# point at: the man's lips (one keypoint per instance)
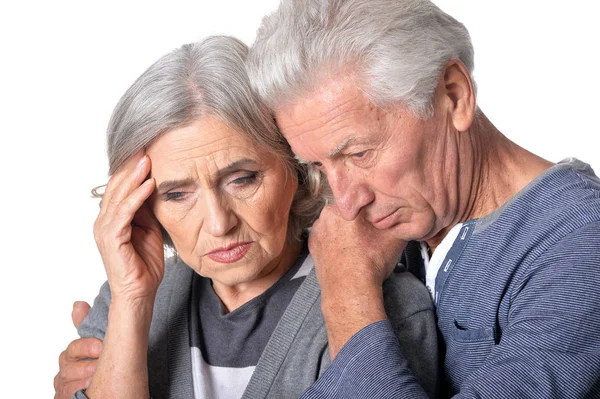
(231, 253)
(386, 221)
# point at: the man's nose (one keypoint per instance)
(219, 219)
(349, 193)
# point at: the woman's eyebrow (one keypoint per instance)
(235, 165)
(171, 184)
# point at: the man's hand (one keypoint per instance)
(352, 259)
(356, 248)
(78, 362)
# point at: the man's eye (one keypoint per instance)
(173, 196)
(359, 154)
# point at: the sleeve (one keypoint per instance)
(405, 346)
(370, 365)
(96, 322)
(80, 395)
(550, 347)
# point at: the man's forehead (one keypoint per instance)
(335, 101)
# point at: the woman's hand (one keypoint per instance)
(128, 235)
(130, 243)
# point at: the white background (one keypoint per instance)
(64, 64)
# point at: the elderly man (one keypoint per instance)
(379, 96)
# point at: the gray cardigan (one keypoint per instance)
(296, 354)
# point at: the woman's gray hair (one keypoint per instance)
(201, 79)
(395, 48)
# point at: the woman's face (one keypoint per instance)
(224, 202)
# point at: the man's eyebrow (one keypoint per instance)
(331, 153)
(341, 147)
(170, 184)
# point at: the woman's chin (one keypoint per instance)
(229, 274)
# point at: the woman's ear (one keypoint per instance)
(459, 90)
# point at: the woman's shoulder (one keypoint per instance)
(173, 283)
(405, 295)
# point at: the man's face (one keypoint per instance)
(383, 165)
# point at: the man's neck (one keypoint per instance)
(495, 169)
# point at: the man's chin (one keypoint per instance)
(410, 231)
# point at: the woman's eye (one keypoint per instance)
(246, 179)
(244, 184)
(173, 195)
(317, 165)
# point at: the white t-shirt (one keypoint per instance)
(432, 266)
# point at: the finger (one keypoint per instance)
(145, 218)
(147, 240)
(127, 182)
(128, 166)
(68, 389)
(117, 221)
(80, 311)
(121, 186)
(132, 204)
(82, 348)
(80, 370)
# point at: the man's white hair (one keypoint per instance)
(394, 49)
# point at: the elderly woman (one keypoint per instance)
(198, 166)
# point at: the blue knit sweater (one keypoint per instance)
(518, 305)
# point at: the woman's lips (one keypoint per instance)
(230, 254)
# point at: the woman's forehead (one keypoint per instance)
(205, 150)
(207, 140)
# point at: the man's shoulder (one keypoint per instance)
(564, 205)
(561, 200)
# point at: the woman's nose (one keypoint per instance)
(219, 219)
(349, 193)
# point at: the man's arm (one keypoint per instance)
(351, 306)
(370, 365)
(551, 347)
(352, 259)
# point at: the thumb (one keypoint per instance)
(80, 311)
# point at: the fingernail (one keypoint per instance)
(141, 162)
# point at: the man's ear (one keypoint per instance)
(460, 93)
